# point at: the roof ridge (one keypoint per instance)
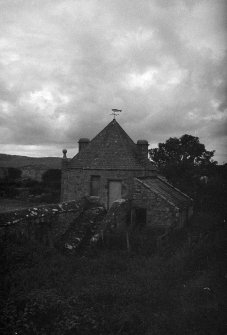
(121, 130)
(102, 130)
(88, 145)
(114, 121)
(112, 147)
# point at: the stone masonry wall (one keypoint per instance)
(76, 183)
(118, 216)
(159, 212)
(45, 224)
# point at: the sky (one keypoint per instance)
(64, 64)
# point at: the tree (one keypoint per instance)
(52, 177)
(182, 157)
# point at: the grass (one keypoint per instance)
(111, 291)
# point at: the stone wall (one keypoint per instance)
(160, 213)
(44, 224)
(115, 226)
(118, 216)
(76, 183)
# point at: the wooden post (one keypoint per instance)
(127, 241)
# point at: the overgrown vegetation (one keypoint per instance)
(47, 191)
(183, 161)
(108, 290)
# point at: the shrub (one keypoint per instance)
(110, 290)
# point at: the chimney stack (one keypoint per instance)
(83, 142)
(143, 148)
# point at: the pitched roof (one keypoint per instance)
(112, 148)
(167, 191)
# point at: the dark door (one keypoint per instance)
(140, 217)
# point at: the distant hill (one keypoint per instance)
(17, 161)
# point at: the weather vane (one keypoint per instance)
(115, 112)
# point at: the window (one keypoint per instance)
(95, 185)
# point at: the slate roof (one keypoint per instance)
(112, 148)
(167, 191)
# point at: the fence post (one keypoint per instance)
(127, 241)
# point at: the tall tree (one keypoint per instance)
(182, 156)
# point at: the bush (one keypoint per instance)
(52, 178)
(110, 290)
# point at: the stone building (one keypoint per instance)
(111, 167)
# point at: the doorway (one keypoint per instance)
(114, 192)
(140, 217)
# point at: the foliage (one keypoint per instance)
(47, 191)
(211, 197)
(115, 292)
(10, 182)
(178, 156)
(52, 177)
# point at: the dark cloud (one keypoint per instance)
(64, 64)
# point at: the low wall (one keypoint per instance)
(45, 224)
(118, 216)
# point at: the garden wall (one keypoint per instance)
(45, 224)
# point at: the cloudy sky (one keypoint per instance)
(64, 64)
